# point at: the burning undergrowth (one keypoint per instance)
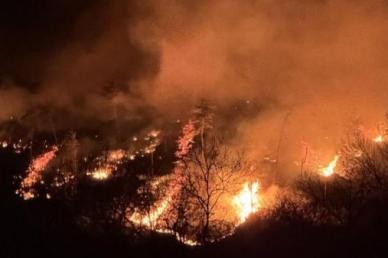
(98, 97)
(201, 189)
(210, 190)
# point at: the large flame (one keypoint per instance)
(329, 170)
(379, 139)
(247, 201)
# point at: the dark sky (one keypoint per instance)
(36, 32)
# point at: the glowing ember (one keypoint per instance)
(247, 201)
(185, 142)
(150, 220)
(34, 173)
(116, 155)
(107, 164)
(358, 154)
(379, 139)
(154, 133)
(329, 170)
(190, 242)
(100, 173)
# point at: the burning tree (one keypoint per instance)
(206, 173)
(341, 192)
(205, 197)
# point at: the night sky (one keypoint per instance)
(38, 35)
(118, 98)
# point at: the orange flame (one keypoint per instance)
(116, 155)
(34, 173)
(379, 139)
(247, 201)
(150, 220)
(107, 165)
(101, 173)
(329, 170)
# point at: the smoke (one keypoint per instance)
(321, 64)
(318, 63)
(293, 53)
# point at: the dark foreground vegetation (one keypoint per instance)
(348, 219)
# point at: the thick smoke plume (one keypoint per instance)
(279, 72)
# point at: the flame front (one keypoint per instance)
(247, 201)
(329, 170)
(150, 220)
(34, 173)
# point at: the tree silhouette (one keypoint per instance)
(207, 170)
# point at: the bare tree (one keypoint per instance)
(360, 180)
(208, 171)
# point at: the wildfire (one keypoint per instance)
(107, 164)
(34, 173)
(379, 139)
(247, 201)
(116, 155)
(100, 173)
(150, 220)
(329, 170)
